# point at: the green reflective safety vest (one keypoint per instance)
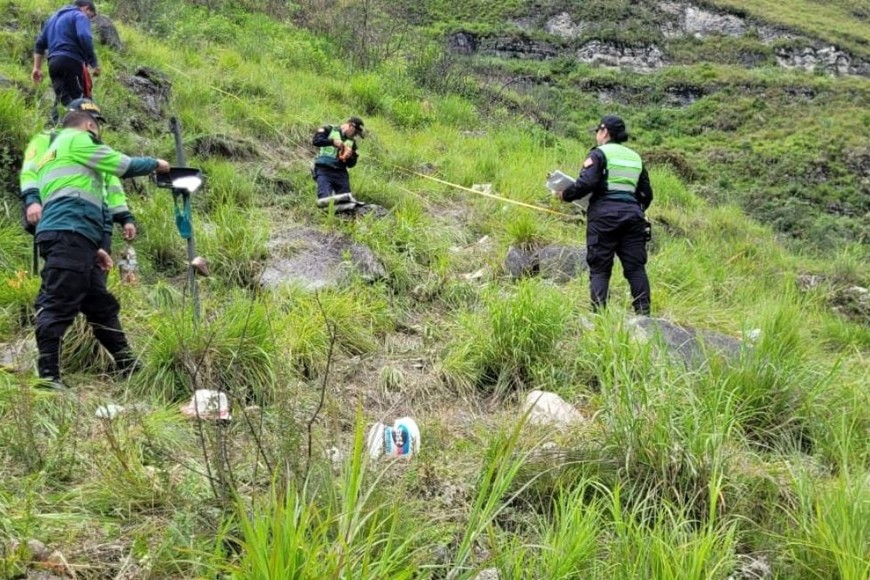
(72, 184)
(329, 155)
(116, 198)
(624, 167)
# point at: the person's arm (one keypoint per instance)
(86, 40)
(116, 199)
(591, 177)
(321, 138)
(29, 183)
(103, 159)
(644, 192)
(38, 53)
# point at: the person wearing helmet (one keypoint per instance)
(619, 185)
(116, 198)
(336, 154)
(67, 206)
(66, 38)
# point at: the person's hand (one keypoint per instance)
(558, 194)
(34, 213)
(162, 166)
(130, 231)
(96, 71)
(36, 75)
(104, 260)
(338, 144)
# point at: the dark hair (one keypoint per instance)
(77, 119)
(86, 4)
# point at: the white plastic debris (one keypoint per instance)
(109, 411)
(208, 404)
(401, 439)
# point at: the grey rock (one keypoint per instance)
(562, 25)
(549, 409)
(5, 83)
(639, 58)
(523, 48)
(690, 345)
(152, 87)
(318, 260)
(519, 262)
(462, 43)
(807, 282)
(19, 355)
(829, 59)
(106, 32)
(561, 263)
(488, 574)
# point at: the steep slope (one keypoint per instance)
(742, 459)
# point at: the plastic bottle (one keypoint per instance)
(129, 266)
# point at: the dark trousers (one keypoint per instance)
(616, 228)
(72, 283)
(331, 180)
(70, 79)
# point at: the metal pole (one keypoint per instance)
(175, 128)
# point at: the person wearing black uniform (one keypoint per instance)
(620, 190)
(337, 152)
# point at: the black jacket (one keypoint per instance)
(593, 180)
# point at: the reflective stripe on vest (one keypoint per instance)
(60, 176)
(624, 167)
(73, 192)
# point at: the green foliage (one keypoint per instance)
(514, 331)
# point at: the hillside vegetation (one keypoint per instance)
(751, 465)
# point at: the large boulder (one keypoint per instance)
(152, 87)
(106, 32)
(553, 262)
(313, 260)
(691, 346)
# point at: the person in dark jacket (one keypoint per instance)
(66, 37)
(68, 208)
(618, 183)
(336, 154)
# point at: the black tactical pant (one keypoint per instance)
(617, 228)
(69, 78)
(72, 282)
(331, 180)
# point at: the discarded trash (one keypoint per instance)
(200, 264)
(402, 439)
(208, 404)
(109, 411)
(128, 266)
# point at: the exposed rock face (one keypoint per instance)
(699, 23)
(106, 32)
(318, 260)
(639, 58)
(828, 59)
(688, 344)
(562, 25)
(518, 48)
(462, 43)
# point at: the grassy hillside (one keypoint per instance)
(673, 471)
(791, 148)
